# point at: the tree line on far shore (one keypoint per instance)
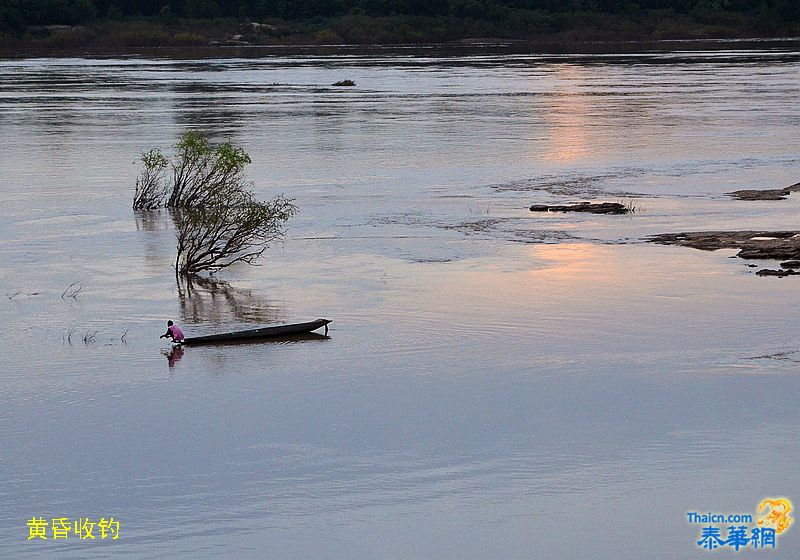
(16, 15)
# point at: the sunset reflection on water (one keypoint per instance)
(568, 118)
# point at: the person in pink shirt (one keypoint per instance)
(174, 332)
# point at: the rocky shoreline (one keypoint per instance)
(753, 245)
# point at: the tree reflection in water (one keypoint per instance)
(212, 301)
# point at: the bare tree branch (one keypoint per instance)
(210, 239)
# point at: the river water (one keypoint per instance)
(495, 383)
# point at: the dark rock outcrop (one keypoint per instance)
(779, 273)
(765, 194)
(778, 245)
(344, 83)
(590, 207)
(790, 264)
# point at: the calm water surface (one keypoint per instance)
(495, 384)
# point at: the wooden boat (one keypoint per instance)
(259, 334)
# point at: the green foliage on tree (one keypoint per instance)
(20, 13)
(201, 9)
(14, 13)
(166, 15)
(150, 189)
(202, 172)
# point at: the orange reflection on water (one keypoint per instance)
(576, 261)
(568, 118)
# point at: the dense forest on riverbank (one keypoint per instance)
(130, 23)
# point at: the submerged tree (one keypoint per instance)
(239, 230)
(201, 173)
(218, 220)
(150, 190)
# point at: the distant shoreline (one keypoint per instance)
(577, 32)
(450, 48)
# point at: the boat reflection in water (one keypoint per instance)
(281, 339)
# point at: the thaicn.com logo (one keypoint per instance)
(743, 530)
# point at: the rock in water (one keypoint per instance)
(766, 194)
(779, 273)
(590, 207)
(752, 245)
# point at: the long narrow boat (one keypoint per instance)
(258, 334)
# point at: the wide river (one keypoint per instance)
(495, 383)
